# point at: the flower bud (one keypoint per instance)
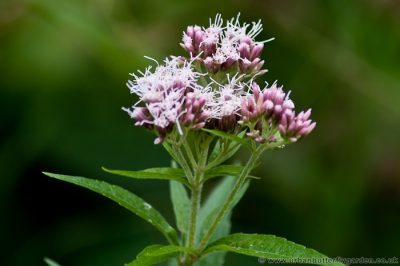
(256, 51)
(294, 127)
(194, 113)
(192, 39)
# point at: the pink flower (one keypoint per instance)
(163, 92)
(294, 127)
(174, 96)
(270, 103)
(192, 39)
(195, 113)
(221, 48)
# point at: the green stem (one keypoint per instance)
(195, 206)
(196, 189)
(227, 204)
(189, 154)
(183, 163)
(203, 157)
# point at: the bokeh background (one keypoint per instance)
(63, 68)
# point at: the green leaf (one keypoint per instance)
(225, 170)
(221, 153)
(209, 211)
(217, 149)
(217, 160)
(51, 262)
(231, 137)
(268, 247)
(213, 259)
(181, 205)
(170, 150)
(172, 262)
(167, 173)
(212, 205)
(126, 199)
(155, 254)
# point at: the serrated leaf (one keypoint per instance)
(181, 205)
(155, 254)
(231, 137)
(51, 262)
(225, 170)
(268, 247)
(166, 173)
(126, 199)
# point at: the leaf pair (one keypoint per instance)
(261, 246)
(268, 247)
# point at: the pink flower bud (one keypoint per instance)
(244, 50)
(192, 39)
(256, 51)
(247, 40)
(158, 140)
(294, 127)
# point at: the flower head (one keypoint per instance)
(294, 127)
(163, 92)
(174, 96)
(227, 97)
(271, 103)
(264, 110)
(224, 47)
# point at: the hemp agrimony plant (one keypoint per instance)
(203, 107)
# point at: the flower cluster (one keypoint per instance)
(178, 96)
(221, 47)
(269, 109)
(169, 98)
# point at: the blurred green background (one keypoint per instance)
(63, 68)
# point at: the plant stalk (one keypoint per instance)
(196, 190)
(195, 205)
(227, 204)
